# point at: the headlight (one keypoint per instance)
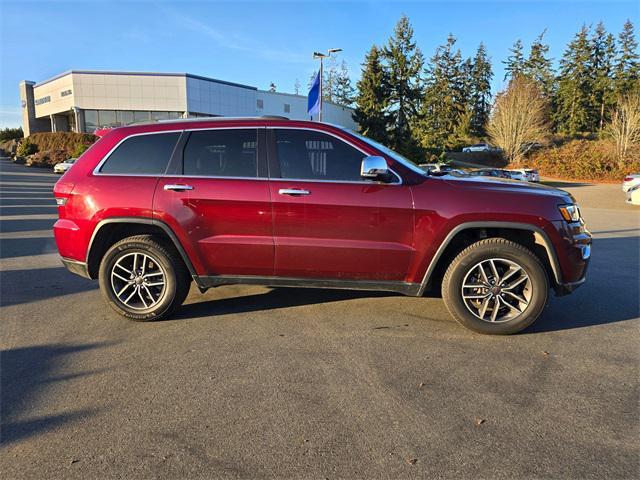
(571, 213)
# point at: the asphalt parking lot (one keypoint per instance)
(252, 382)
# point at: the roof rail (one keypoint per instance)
(208, 119)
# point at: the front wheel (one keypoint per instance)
(142, 279)
(495, 286)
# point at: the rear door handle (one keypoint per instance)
(293, 191)
(178, 187)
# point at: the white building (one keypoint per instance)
(83, 101)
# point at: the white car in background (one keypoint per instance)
(630, 181)
(63, 166)
(517, 175)
(633, 195)
(478, 147)
(528, 174)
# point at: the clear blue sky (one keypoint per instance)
(259, 42)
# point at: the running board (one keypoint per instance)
(409, 289)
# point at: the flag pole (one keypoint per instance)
(320, 113)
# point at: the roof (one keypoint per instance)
(145, 74)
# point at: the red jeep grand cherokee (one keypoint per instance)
(150, 208)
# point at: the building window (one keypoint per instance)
(124, 117)
(65, 93)
(90, 120)
(287, 108)
(260, 104)
(40, 101)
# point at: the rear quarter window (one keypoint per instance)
(141, 155)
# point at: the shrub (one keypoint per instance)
(69, 141)
(583, 160)
(11, 134)
(47, 158)
(26, 147)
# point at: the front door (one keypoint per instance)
(329, 223)
(219, 203)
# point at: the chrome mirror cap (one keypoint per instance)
(374, 167)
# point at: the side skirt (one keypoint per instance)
(409, 289)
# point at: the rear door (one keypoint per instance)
(218, 201)
(329, 223)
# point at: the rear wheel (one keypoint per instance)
(495, 286)
(143, 279)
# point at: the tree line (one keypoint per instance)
(417, 106)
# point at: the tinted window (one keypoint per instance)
(142, 155)
(222, 153)
(304, 154)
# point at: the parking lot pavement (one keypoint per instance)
(252, 382)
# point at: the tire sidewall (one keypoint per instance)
(106, 266)
(525, 259)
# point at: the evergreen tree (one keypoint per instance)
(404, 64)
(514, 65)
(603, 52)
(573, 98)
(272, 87)
(343, 90)
(372, 98)
(444, 102)
(627, 69)
(538, 67)
(481, 75)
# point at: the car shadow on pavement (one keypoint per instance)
(26, 376)
(32, 285)
(609, 295)
(272, 299)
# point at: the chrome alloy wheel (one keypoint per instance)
(138, 281)
(496, 290)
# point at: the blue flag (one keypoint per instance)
(313, 102)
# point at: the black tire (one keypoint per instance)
(175, 276)
(537, 287)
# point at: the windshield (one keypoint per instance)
(395, 155)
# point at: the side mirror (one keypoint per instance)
(375, 168)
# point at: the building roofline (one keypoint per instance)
(303, 96)
(144, 74)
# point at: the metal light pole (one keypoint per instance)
(322, 56)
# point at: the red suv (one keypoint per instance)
(150, 208)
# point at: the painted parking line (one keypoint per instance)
(6, 218)
(27, 234)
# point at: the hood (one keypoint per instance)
(506, 185)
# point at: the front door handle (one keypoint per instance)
(178, 187)
(293, 191)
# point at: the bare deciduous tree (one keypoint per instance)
(518, 119)
(624, 128)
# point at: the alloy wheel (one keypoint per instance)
(496, 290)
(138, 281)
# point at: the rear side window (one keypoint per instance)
(309, 155)
(142, 155)
(222, 153)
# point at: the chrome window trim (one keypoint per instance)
(96, 170)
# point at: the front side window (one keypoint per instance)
(141, 155)
(222, 153)
(310, 155)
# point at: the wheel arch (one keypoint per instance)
(111, 230)
(466, 233)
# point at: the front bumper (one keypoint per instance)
(74, 266)
(574, 255)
